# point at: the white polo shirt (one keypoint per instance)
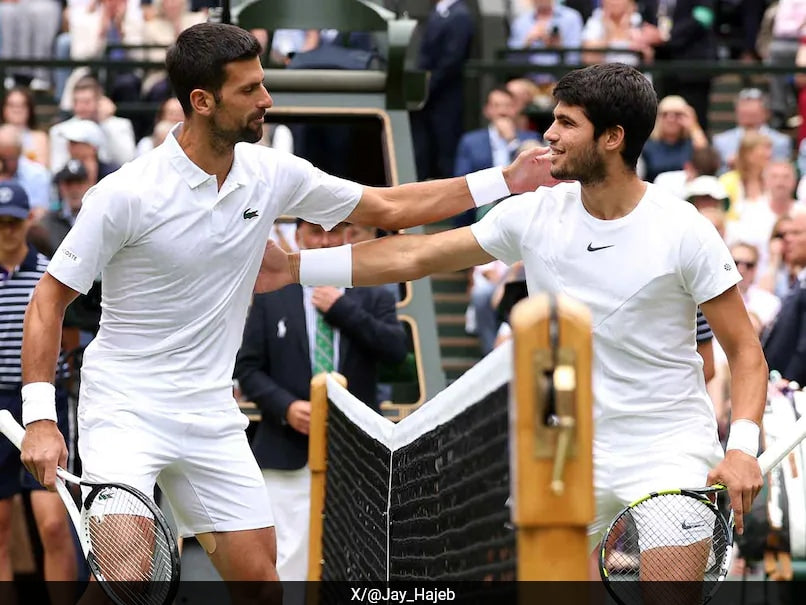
(642, 277)
(178, 260)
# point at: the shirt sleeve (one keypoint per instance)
(707, 265)
(500, 231)
(319, 197)
(104, 225)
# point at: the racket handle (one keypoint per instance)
(11, 428)
(781, 448)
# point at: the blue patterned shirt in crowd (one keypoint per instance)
(16, 289)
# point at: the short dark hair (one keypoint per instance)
(200, 54)
(89, 82)
(502, 89)
(613, 94)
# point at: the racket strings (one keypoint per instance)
(130, 551)
(666, 540)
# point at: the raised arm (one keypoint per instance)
(415, 204)
(43, 447)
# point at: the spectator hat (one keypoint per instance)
(72, 171)
(84, 131)
(14, 201)
(707, 186)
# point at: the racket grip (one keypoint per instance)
(781, 448)
(11, 428)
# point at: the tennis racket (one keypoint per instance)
(126, 540)
(674, 546)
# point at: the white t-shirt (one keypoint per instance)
(642, 277)
(178, 260)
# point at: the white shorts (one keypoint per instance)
(201, 461)
(621, 480)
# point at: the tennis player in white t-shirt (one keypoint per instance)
(641, 260)
(178, 235)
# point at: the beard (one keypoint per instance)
(588, 167)
(228, 137)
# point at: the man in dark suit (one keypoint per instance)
(445, 48)
(290, 336)
(785, 341)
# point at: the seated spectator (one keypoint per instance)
(170, 19)
(84, 138)
(495, 145)
(781, 273)
(707, 192)
(285, 43)
(481, 318)
(549, 25)
(32, 176)
(27, 30)
(780, 182)
(117, 143)
(19, 110)
(72, 182)
(751, 115)
(787, 28)
(677, 133)
(745, 183)
(171, 112)
(757, 300)
(617, 24)
(703, 162)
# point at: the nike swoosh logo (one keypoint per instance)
(249, 213)
(685, 525)
(592, 249)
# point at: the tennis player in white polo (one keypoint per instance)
(178, 236)
(641, 260)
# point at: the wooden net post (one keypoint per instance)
(317, 462)
(552, 477)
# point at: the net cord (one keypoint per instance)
(486, 376)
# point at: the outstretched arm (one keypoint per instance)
(415, 204)
(390, 259)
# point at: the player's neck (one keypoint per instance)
(201, 149)
(615, 197)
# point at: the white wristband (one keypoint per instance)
(38, 402)
(327, 267)
(487, 186)
(743, 436)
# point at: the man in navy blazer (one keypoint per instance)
(495, 145)
(274, 369)
(785, 341)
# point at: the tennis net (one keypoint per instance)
(428, 497)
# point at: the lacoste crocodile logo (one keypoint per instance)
(249, 213)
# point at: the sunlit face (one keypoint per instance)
(760, 155)
(85, 104)
(671, 121)
(241, 104)
(15, 110)
(499, 105)
(311, 237)
(616, 8)
(576, 155)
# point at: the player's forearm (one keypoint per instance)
(415, 204)
(41, 341)
(749, 373)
